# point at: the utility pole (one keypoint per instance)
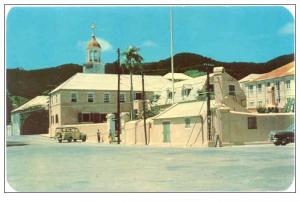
(144, 107)
(172, 61)
(118, 100)
(207, 65)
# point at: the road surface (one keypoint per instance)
(40, 164)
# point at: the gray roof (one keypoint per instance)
(177, 76)
(185, 109)
(38, 101)
(85, 81)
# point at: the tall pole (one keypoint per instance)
(208, 101)
(118, 100)
(144, 107)
(172, 61)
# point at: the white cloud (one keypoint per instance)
(148, 43)
(105, 45)
(288, 28)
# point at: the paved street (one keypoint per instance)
(40, 164)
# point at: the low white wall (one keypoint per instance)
(234, 126)
(9, 130)
(91, 130)
(133, 132)
(195, 135)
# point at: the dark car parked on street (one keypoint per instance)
(283, 137)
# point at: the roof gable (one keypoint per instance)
(286, 70)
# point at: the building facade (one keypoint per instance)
(275, 89)
(89, 98)
(195, 89)
(186, 123)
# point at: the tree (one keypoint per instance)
(133, 60)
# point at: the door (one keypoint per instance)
(166, 132)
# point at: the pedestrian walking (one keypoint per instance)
(98, 136)
(110, 138)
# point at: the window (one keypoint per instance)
(268, 84)
(91, 117)
(277, 84)
(73, 97)
(103, 118)
(288, 84)
(138, 96)
(106, 97)
(185, 92)
(259, 88)
(95, 56)
(56, 118)
(260, 103)
(278, 100)
(122, 97)
(90, 56)
(90, 97)
(86, 117)
(56, 99)
(170, 95)
(231, 90)
(252, 123)
(250, 89)
(187, 123)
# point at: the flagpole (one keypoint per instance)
(172, 61)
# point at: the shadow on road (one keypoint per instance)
(12, 144)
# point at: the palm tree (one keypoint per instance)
(133, 60)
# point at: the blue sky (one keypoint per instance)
(38, 37)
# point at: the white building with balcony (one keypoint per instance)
(275, 89)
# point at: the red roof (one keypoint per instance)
(286, 70)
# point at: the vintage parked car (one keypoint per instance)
(283, 137)
(69, 134)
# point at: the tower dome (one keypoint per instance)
(93, 55)
(93, 43)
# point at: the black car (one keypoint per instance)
(283, 137)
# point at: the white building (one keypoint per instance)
(186, 90)
(195, 89)
(186, 123)
(90, 98)
(275, 89)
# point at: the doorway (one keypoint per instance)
(166, 132)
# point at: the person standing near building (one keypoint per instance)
(98, 136)
(110, 137)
